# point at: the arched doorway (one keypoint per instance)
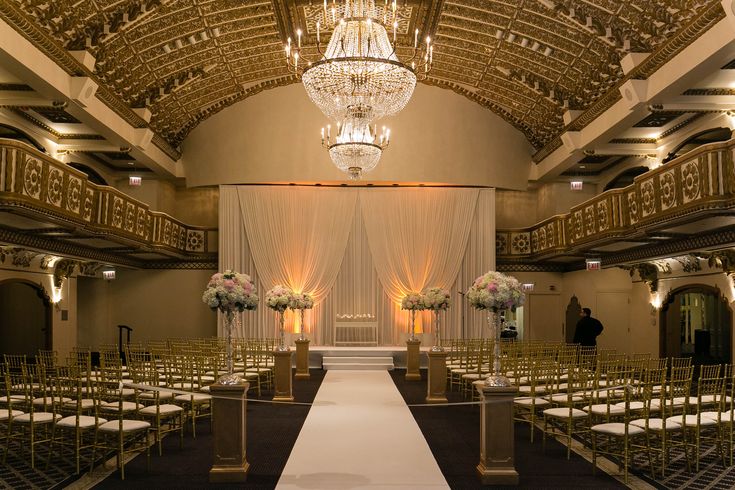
(695, 322)
(25, 318)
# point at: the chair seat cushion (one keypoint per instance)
(150, 395)
(617, 429)
(634, 405)
(48, 400)
(564, 398)
(657, 424)
(85, 403)
(115, 406)
(602, 409)
(165, 409)
(5, 414)
(127, 426)
(197, 397)
(85, 421)
(528, 401)
(564, 412)
(725, 417)
(38, 418)
(691, 420)
(527, 389)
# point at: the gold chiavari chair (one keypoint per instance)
(35, 427)
(531, 399)
(565, 419)
(618, 438)
(12, 401)
(80, 421)
(698, 428)
(122, 433)
(163, 418)
(726, 416)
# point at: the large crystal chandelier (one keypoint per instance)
(358, 78)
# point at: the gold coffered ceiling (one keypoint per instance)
(526, 60)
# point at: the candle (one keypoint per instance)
(317, 32)
(298, 35)
(395, 30)
(329, 131)
(296, 60)
(416, 39)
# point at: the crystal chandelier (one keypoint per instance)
(357, 148)
(358, 78)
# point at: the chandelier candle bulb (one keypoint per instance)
(416, 39)
(298, 35)
(317, 32)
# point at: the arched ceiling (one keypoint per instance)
(527, 60)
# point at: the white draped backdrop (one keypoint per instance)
(358, 251)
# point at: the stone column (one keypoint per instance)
(282, 390)
(412, 360)
(497, 458)
(228, 417)
(437, 385)
(302, 359)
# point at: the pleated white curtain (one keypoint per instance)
(357, 290)
(297, 236)
(417, 237)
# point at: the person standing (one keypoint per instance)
(588, 329)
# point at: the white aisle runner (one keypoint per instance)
(358, 434)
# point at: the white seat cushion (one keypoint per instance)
(197, 397)
(162, 395)
(48, 400)
(563, 412)
(563, 398)
(617, 429)
(127, 426)
(527, 401)
(601, 409)
(165, 409)
(527, 389)
(635, 405)
(691, 420)
(115, 406)
(38, 418)
(5, 413)
(725, 417)
(85, 403)
(657, 424)
(85, 421)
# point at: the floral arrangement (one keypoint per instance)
(495, 291)
(279, 298)
(230, 291)
(301, 301)
(413, 301)
(436, 299)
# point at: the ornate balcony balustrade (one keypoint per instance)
(35, 185)
(694, 186)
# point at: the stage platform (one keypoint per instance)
(397, 352)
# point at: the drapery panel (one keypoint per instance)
(417, 237)
(297, 236)
(357, 289)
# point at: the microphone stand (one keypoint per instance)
(463, 295)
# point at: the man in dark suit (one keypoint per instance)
(588, 329)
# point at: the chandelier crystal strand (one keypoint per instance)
(358, 78)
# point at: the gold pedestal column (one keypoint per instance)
(412, 360)
(437, 385)
(497, 459)
(282, 390)
(228, 417)
(302, 359)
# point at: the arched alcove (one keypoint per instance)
(13, 133)
(696, 322)
(707, 136)
(625, 178)
(92, 175)
(25, 317)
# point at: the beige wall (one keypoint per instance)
(275, 137)
(193, 206)
(157, 304)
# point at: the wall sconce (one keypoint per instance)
(56, 296)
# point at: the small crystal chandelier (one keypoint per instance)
(357, 148)
(358, 78)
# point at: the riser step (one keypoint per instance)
(358, 367)
(357, 360)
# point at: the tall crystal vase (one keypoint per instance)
(412, 313)
(230, 378)
(301, 324)
(496, 378)
(437, 347)
(282, 347)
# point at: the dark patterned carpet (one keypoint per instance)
(451, 432)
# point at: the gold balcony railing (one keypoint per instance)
(699, 183)
(34, 183)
